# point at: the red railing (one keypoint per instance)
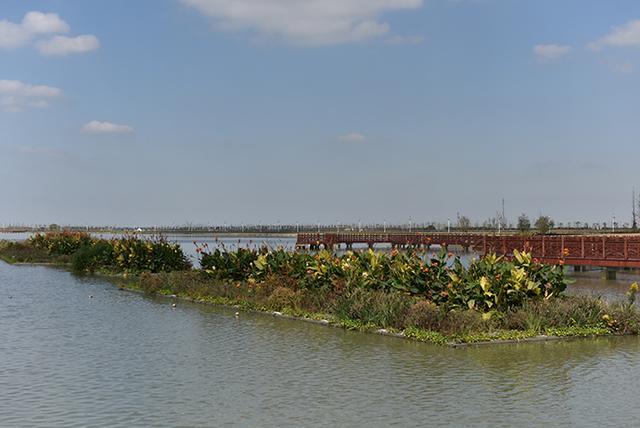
(592, 250)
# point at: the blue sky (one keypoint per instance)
(247, 111)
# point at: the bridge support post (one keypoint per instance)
(610, 273)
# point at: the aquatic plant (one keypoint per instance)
(129, 253)
(61, 243)
(148, 255)
(487, 284)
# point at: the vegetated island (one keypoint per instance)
(432, 299)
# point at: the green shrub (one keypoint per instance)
(556, 313)
(424, 315)
(132, 254)
(61, 243)
(237, 265)
(488, 284)
(386, 309)
(129, 253)
(463, 321)
(97, 255)
(284, 298)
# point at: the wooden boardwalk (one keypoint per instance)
(622, 250)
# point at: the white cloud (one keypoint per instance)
(353, 137)
(624, 35)
(309, 22)
(63, 45)
(97, 127)
(549, 52)
(36, 25)
(16, 96)
(12, 35)
(44, 23)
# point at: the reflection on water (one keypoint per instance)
(122, 359)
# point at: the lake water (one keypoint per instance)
(123, 359)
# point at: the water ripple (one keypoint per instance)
(121, 359)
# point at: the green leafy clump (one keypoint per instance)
(61, 243)
(126, 254)
(488, 284)
(133, 254)
(99, 254)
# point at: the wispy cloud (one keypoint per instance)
(38, 27)
(97, 127)
(16, 96)
(63, 45)
(309, 22)
(353, 137)
(620, 36)
(551, 51)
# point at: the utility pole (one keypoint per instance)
(634, 224)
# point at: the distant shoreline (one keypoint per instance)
(177, 233)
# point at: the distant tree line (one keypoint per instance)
(543, 224)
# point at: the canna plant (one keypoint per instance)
(61, 243)
(488, 284)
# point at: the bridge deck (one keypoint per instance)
(577, 250)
